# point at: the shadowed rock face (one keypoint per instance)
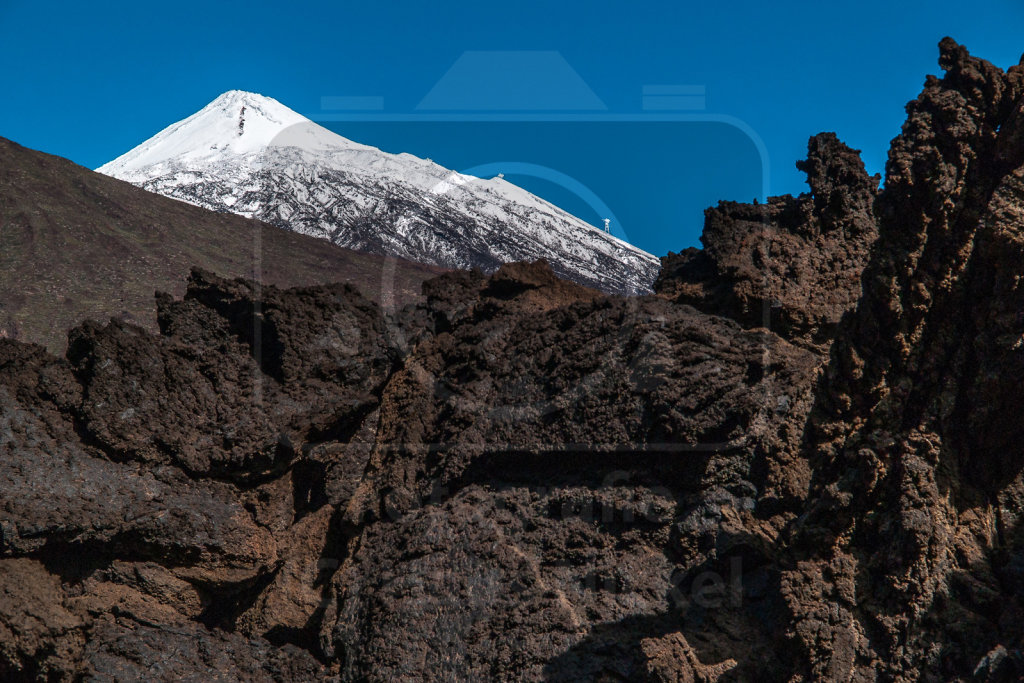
(915, 441)
(521, 478)
(526, 456)
(538, 473)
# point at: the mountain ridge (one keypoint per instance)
(251, 155)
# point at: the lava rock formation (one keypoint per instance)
(797, 460)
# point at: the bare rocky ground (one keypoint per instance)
(520, 478)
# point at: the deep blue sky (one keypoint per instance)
(90, 80)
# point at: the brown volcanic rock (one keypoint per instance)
(155, 400)
(792, 265)
(519, 478)
(70, 499)
(601, 375)
(903, 559)
(39, 638)
(144, 591)
(565, 581)
(192, 478)
(328, 348)
(909, 555)
(123, 649)
(593, 453)
(50, 634)
(544, 473)
(207, 399)
(492, 585)
(71, 496)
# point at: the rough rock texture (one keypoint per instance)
(541, 472)
(318, 364)
(793, 264)
(185, 479)
(259, 487)
(913, 531)
(522, 479)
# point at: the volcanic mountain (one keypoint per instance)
(250, 155)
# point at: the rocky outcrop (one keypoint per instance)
(522, 478)
(912, 532)
(187, 475)
(285, 368)
(539, 473)
(792, 265)
(235, 487)
(79, 244)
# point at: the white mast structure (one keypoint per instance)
(607, 224)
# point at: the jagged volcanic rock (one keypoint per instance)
(793, 264)
(172, 468)
(535, 471)
(313, 451)
(521, 478)
(912, 530)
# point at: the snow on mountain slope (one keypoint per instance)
(251, 155)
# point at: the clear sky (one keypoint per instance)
(88, 81)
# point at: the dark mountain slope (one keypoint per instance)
(77, 244)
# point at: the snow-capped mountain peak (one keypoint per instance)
(236, 123)
(251, 155)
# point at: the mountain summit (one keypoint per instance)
(251, 155)
(237, 123)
